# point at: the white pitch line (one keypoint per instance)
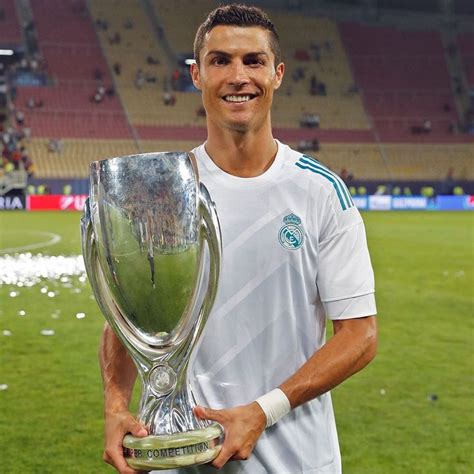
(54, 239)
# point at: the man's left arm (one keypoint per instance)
(352, 347)
(349, 350)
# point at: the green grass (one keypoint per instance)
(51, 414)
(424, 280)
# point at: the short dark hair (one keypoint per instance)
(237, 15)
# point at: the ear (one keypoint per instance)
(279, 73)
(195, 75)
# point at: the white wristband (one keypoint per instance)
(275, 405)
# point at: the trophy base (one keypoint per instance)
(172, 451)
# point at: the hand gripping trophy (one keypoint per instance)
(144, 234)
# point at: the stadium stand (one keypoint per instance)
(77, 69)
(180, 20)
(9, 25)
(75, 155)
(136, 57)
(405, 82)
(362, 160)
(69, 112)
(429, 162)
(466, 48)
(318, 77)
(320, 56)
(374, 101)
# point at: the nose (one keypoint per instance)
(238, 75)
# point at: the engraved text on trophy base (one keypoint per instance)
(169, 452)
(177, 450)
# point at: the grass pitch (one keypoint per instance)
(410, 411)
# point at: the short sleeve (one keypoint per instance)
(345, 278)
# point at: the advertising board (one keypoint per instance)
(12, 203)
(75, 202)
(56, 202)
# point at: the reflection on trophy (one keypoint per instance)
(144, 235)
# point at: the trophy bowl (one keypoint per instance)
(152, 249)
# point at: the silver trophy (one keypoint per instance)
(144, 235)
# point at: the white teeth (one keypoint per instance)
(237, 98)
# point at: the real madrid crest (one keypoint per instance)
(291, 235)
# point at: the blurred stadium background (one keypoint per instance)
(382, 91)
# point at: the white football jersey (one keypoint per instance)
(294, 254)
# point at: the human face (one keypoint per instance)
(237, 77)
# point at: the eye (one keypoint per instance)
(219, 61)
(254, 62)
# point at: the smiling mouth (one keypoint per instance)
(238, 99)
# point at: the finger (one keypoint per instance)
(241, 455)
(138, 430)
(131, 425)
(200, 412)
(122, 466)
(106, 458)
(209, 414)
(114, 455)
(225, 454)
(116, 459)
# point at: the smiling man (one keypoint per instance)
(240, 104)
(295, 256)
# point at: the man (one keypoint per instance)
(295, 254)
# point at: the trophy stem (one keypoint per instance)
(178, 438)
(167, 401)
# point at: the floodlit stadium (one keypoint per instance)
(379, 92)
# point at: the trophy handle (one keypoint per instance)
(101, 291)
(211, 233)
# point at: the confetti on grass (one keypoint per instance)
(25, 270)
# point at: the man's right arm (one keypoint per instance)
(118, 375)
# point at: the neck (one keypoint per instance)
(243, 154)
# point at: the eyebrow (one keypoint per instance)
(227, 55)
